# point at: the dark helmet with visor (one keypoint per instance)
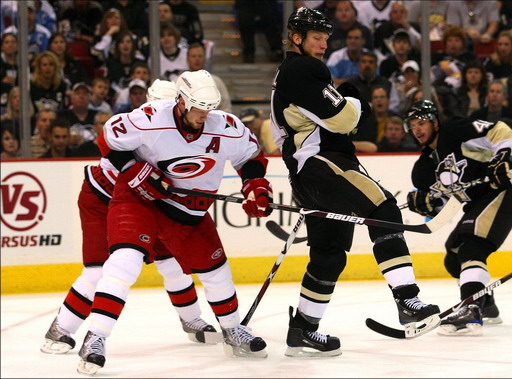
(423, 110)
(305, 19)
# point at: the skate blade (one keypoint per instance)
(472, 329)
(209, 338)
(492, 320)
(309, 352)
(236, 351)
(413, 329)
(87, 368)
(55, 347)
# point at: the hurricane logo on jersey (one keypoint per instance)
(449, 174)
(187, 167)
(148, 111)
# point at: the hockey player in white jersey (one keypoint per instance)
(93, 202)
(186, 145)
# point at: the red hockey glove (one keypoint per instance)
(149, 182)
(258, 193)
(498, 170)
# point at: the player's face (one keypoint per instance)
(315, 44)
(196, 117)
(422, 130)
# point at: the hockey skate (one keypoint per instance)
(239, 342)
(58, 341)
(467, 321)
(417, 317)
(490, 312)
(305, 343)
(199, 331)
(92, 354)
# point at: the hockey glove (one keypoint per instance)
(423, 203)
(258, 194)
(498, 170)
(149, 182)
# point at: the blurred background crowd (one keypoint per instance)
(91, 59)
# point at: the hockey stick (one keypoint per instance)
(272, 273)
(454, 188)
(274, 228)
(449, 210)
(416, 332)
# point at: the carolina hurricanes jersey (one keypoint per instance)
(101, 180)
(191, 159)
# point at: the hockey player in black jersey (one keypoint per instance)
(311, 121)
(454, 154)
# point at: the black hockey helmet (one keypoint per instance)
(424, 110)
(305, 19)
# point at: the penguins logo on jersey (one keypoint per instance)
(187, 167)
(449, 176)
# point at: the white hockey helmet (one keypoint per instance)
(199, 90)
(162, 90)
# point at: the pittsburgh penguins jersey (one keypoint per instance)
(463, 152)
(308, 115)
(191, 159)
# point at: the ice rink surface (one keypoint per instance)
(148, 342)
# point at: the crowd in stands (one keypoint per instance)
(90, 59)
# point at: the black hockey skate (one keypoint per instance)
(92, 354)
(200, 331)
(416, 317)
(490, 312)
(305, 343)
(467, 321)
(58, 341)
(239, 342)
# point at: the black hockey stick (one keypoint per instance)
(272, 273)
(274, 228)
(449, 210)
(454, 188)
(401, 334)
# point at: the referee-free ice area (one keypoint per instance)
(148, 341)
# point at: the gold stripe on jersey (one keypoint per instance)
(485, 220)
(344, 121)
(500, 132)
(473, 264)
(398, 261)
(300, 123)
(315, 295)
(364, 184)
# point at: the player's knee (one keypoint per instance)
(124, 265)
(474, 248)
(169, 268)
(327, 264)
(452, 265)
(92, 274)
(389, 246)
(387, 211)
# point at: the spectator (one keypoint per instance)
(47, 87)
(380, 109)
(345, 62)
(479, 19)
(373, 13)
(45, 15)
(405, 83)
(59, 140)
(253, 119)
(99, 93)
(345, 18)
(165, 13)
(186, 19)
(196, 59)
(79, 116)
(173, 57)
(398, 20)
(40, 141)
(12, 115)
(369, 78)
(137, 95)
(90, 148)
(80, 19)
(140, 70)
(327, 7)
(135, 13)
(71, 70)
(9, 60)
(495, 110)
(247, 11)
(120, 63)
(10, 143)
(38, 35)
(401, 47)
(395, 138)
(438, 11)
(505, 14)
(499, 64)
(112, 23)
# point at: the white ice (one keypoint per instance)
(147, 341)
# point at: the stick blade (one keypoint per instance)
(450, 209)
(384, 329)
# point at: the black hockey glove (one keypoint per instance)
(498, 170)
(423, 203)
